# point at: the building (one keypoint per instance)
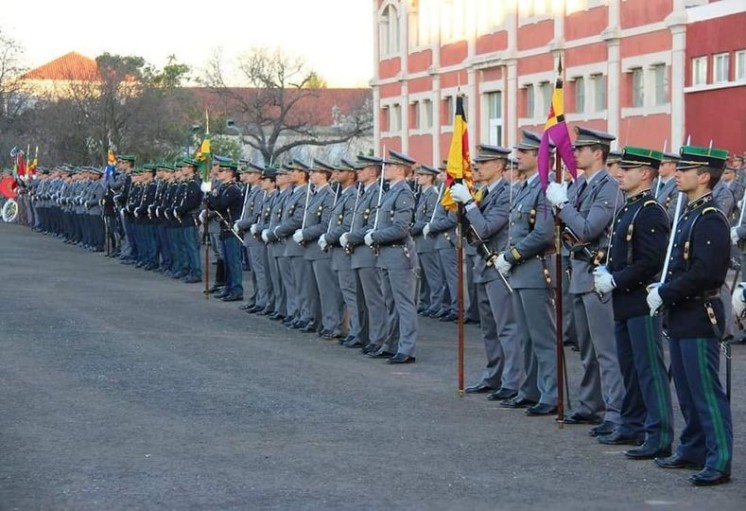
(58, 78)
(627, 69)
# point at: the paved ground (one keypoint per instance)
(125, 390)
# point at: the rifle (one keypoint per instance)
(489, 255)
(374, 247)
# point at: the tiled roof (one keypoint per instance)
(72, 66)
(317, 106)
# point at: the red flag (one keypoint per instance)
(458, 168)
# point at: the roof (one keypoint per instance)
(71, 66)
(320, 106)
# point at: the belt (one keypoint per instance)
(706, 295)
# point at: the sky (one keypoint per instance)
(335, 37)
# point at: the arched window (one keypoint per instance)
(388, 33)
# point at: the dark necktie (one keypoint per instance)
(580, 192)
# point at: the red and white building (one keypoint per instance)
(630, 68)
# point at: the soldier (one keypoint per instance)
(339, 223)
(316, 222)
(637, 253)
(227, 205)
(271, 280)
(505, 372)
(252, 211)
(587, 220)
(690, 294)
(529, 261)
(427, 255)
(729, 180)
(121, 186)
(93, 208)
(665, 190)
(396, 254)
(185, 214)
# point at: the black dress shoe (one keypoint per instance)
(617, 438)
(479, 388)
(648, 452)
(517, 402)
(232, 298)
(370, 348)
(709, 477)
(245, 307)
(541, 409)
(382, 353)
(276, 316)
(400, 358)
(605, 428)
(502, 394)
(353, 343)
(579, 418)
(470, 321)
(349, 338)
(328, 336)
(221, 294)
(192, 280)
(677, 461)
(449, 317)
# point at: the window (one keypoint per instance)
(579, 94)
(385, 121)
(427, 114)
(699, 71)
(660, 74)
(545, 88)
(414, 24)
(448, 112)
(722, 64)
(414, 115)
(495, 122)
(740, 65)
(638, 88)
(530, 104)
(388, 33)
(395, 122)
(598, 82)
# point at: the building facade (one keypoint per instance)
(626, 68)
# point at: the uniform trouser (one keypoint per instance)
(191, 250)
(499, 332)
(165, 245)
(304, 284)
(348, 287)
(569, 336)
(447, 257)
(430, 263)
(217, 247)
(147, 231)
(472, 310)
(374, 306)
(646, 408)
(232, 258)
(129, 246)
(288, 281)
(280, 304)
(178, 254)
(246, 263)
(392, 317)
(601, 387)
(707, 437)
(401, 282)
(260, 268)
(330, 297)
(534, 317)
(97, 231)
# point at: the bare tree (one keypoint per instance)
(14, 93)
(275, 106)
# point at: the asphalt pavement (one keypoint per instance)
(126, 390)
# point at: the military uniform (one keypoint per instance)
(690, 295)
(427, 255)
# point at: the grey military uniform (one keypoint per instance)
(252, 212)
(397, 258)
(531, 253)
(443, 229)
(426, 252)
(589, 216)
(286, 300)
(505, 368)
(667, 197)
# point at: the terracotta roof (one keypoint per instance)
(317, 106)
(72, 66)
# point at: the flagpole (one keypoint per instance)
(559, 346)
(460, 294)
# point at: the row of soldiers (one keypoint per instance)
(342, 261)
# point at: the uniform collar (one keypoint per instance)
(701, 201)
(643, 194)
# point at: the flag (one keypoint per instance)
(458, 167)
(34, 164)
(556, 129)
(110, 171)
(204, 156)
(20, 164)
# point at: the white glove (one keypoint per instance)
(265, 235)
(603, 281)
(235, 226)
(460, 193)
(734, 237)
(739, 304)
(369, 238)
(426, 230)
(557, 194)
(298, 236)
(253, 229)
(343, 239)
(322, 243)
(502, 265)
(655, 302)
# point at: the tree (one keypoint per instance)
(14, 93)
(276, 107)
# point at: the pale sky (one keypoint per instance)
(335, 37)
